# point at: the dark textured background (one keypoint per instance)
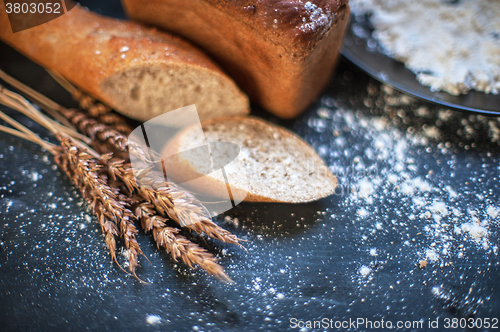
(55, 273)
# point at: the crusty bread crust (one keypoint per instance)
(280, 52)
(298, 26)
(182, 170)
(89, 50)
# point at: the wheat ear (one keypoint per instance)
(82, 166)
(114, 167)
(178, 246)
(168, 199)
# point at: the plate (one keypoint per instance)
(367, 55)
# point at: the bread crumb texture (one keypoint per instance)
(452, 46)
(273, 164)
(151, 90)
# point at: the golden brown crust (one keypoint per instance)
(282, 65)
(297, 25)
(87, 48)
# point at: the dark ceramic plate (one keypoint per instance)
(362, 50)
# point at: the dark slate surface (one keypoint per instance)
(323, 260)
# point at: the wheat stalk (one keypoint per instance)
(180, 205)
(86, 102)
(178, 246)
(86, 169)
(67, 164)
(168, 199)
(82, 169)
(166, 237)
(82, 165)
(116, 122)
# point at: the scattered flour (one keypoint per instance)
(365, 271)
(362, 212)
(439, 207)
(476, 231)
(153, 319)
(316, 18)
(366, 188)
(431, 255)
(234, 221)
(493, 212)
(392, 187)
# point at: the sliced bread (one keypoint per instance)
(280, 52)
(273, 164)
(136, 70)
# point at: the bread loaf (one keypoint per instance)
(280, 52)
(136, 70)
(273, 165)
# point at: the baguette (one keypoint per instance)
(280, 52)
(273, 165)
(136, 70)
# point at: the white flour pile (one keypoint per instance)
(451, 45)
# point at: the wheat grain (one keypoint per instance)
(180, 205)
(109, 206)
(167, 199)
(116, 122)
(178, 246)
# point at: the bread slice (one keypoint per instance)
(136, 70)
(273, 164)
(280, 52)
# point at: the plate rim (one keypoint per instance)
(350, 41)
